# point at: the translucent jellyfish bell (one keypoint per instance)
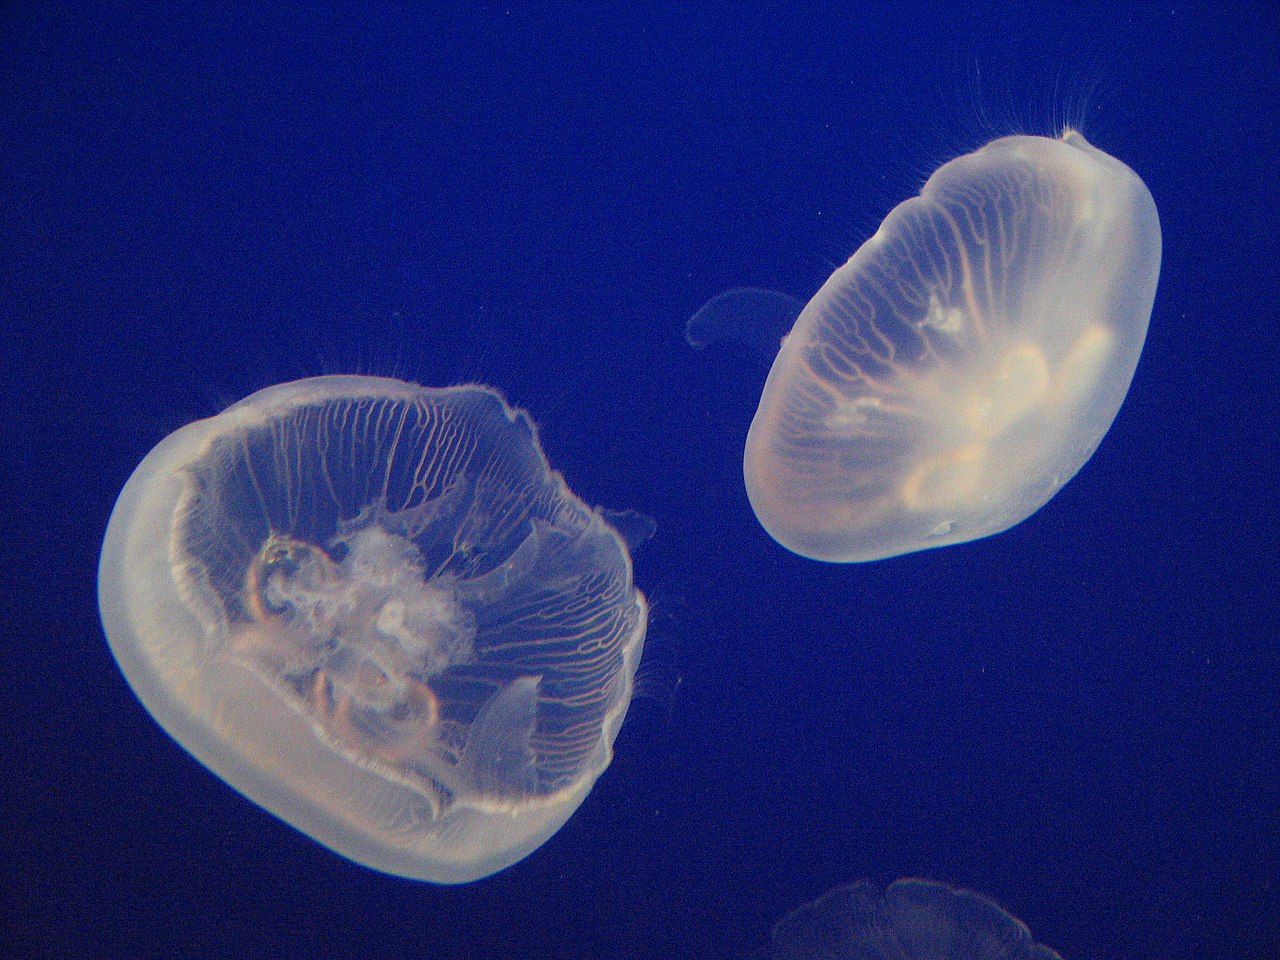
(912, 920)
(375, 610)
(947, 381)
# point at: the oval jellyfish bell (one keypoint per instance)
(375, 610)
(966, 361)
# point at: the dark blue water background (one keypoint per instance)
(1078, 718)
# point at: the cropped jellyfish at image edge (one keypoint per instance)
(912, 920)
(965, 362)
(374, 609)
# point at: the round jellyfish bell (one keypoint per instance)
(375, 610)
(912, 920)
(965, 362)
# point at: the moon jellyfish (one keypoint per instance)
(965, 362)
(752, 316)
(374, 609)
(913, 920)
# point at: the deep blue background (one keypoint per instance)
(1079, 717)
